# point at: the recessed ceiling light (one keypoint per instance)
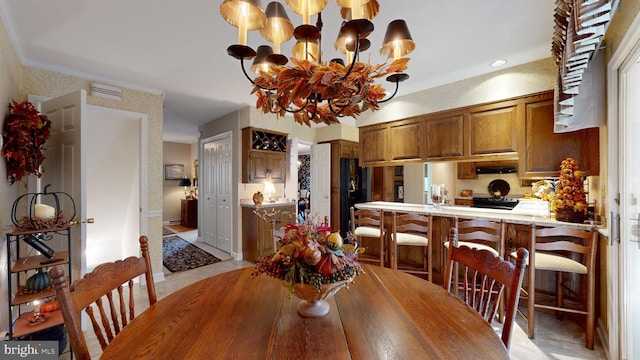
(499, 62)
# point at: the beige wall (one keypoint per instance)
(9, 89)
(175, 153)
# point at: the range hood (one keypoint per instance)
(508, 169)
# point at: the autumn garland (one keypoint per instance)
(307, 85)
(24, 134)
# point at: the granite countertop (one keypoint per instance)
(509, 216)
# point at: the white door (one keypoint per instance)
(208, 195)
(629, 188)
(321, 181)
(224, 188)
(113, 184)
(64, 164)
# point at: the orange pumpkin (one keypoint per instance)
(49, 306)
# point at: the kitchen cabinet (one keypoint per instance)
(467, 170)
(542, 150)
(257, 236)
(494, 131)
(393, 142)
(189, 213)
(373, 144)
(20, 307)
(263, 156)
(445, 138)
(406, 140)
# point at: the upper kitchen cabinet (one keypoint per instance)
(393, 142)
(542, 150)
(445, 137)
(494, 131)
(263, 156)
(373, 144)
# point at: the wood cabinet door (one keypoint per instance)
(445, 137)
(258, 167)
(277, 167)
(467, 170)
(543, 150)
(406, 140)
(373, 142)
(493, 131)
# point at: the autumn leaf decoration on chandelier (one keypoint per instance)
(310, 89)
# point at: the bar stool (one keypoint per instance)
(563, 249)
(369, 224)
(411, 229)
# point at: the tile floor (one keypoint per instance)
(555, 339)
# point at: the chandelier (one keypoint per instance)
(311, 89)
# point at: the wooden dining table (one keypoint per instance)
(383, 314)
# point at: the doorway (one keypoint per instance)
(97, 156)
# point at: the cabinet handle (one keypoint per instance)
(88, 221)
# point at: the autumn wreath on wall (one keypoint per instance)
(24, 133)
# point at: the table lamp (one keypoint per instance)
(185, 182)
(269, 189)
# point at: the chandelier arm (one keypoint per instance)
(356, 53)
(337, 106)
(293, 111)
(392, 95)
(247, 75)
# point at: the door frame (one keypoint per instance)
(616, 269)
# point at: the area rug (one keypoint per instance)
(179, 255)
(167, 231)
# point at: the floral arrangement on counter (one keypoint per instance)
(570, 195)
(310, 253)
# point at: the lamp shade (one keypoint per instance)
(185, 182)
(397, 40)
(278, 27)
(260, 63)
(269, 188)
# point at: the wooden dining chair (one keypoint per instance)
(412, 229)
(105, 281)
(564, 249)
(487, 278)
(480, 234)
(366, 225)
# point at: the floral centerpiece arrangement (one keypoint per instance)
(311, 254)
(570, 199)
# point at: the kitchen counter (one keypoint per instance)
(515, 216)
(265, 204)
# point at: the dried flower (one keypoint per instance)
(310, 254)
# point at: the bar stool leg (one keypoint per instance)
(559, 294)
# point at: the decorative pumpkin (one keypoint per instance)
(49, 306)
(24, 134)
(41, 216)
(38, 281)
(258, 198)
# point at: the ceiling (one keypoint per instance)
(180, 50)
